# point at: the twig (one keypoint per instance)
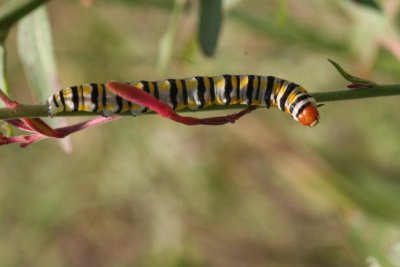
(40, 111)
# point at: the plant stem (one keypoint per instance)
(36, 111)
(349, 94)
(12, 11)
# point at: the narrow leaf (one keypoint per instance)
(369, 3)
(12, 11)
(281, 14)
(3, 77)
(209, 25)
(36, 52)
(35, 48)
(25, 140)
(168, 39)
(351, 78)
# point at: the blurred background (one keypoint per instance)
(265, 191)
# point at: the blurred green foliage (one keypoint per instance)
(210, 19)
(263, 192)
(369, 3)
(36, 52)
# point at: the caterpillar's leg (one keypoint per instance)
(143, 98)
(107, 113)
(136, 112)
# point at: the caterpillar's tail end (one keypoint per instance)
(50, 108)
(309, 116)
(53, 107)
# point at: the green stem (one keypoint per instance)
(36, 111)
(349, 94)
(12, 11)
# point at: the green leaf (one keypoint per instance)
(369, 3)
(168, 39)
(3, 77)
(351, 78)
(35, 48)
(209, 25)
(281, 14)
(12, 11)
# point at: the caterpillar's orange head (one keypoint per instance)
(309, 116)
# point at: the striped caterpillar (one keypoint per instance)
(193, 93)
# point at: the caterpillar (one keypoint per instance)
(193, 93)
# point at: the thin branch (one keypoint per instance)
(13, 11)
(349, 94)
(37, 111)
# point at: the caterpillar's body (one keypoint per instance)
(194, 93)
